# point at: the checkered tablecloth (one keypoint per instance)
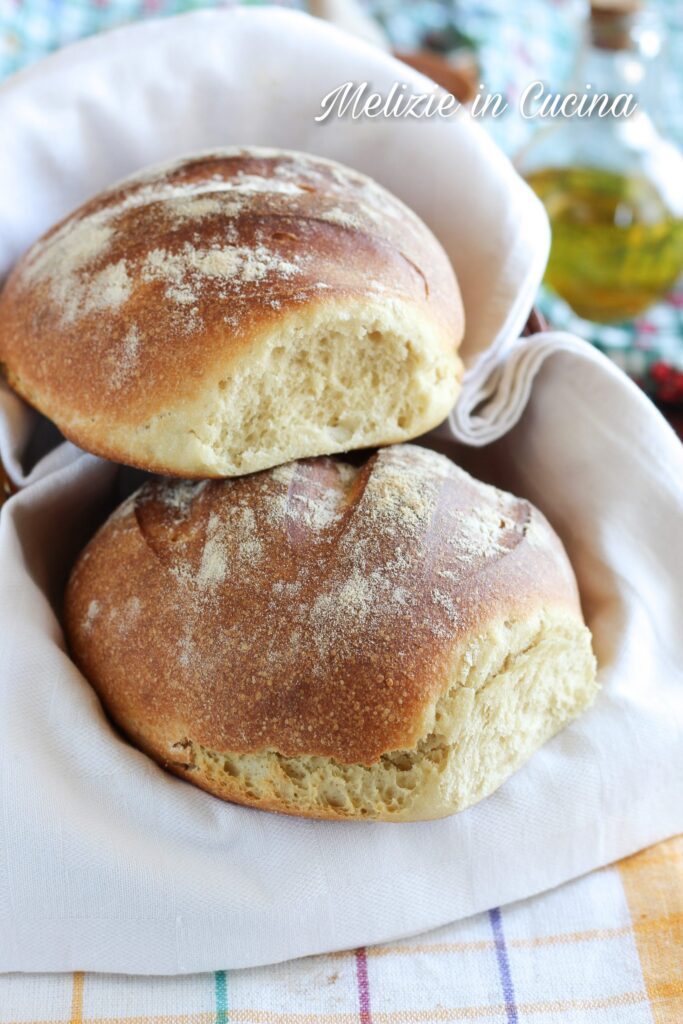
(649, 349)
(605, 949)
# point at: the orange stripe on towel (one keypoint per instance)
(653, 883)
(77, 999)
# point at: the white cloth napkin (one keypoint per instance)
(109, 864)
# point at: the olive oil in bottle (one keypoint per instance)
(612, 185)
(617, 246)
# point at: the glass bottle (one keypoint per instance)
(612, 185)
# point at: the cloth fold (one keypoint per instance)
(497, 390)
(109, 864)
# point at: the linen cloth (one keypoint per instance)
(605, 949)
(107, 863)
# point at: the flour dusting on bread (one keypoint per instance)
(379, 544)
(234, 311)
(338, 638)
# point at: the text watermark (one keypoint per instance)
(357, 100)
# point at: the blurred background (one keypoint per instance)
(613, 187)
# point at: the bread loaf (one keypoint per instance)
(235, 311)
(378, 638)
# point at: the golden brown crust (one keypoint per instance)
(130, 306)
(314, 609)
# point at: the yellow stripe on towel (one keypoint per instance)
(653, 883)
(77, 998)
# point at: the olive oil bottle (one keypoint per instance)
(612, 186)
(617, 246)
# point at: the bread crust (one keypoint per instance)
(149, 297)
(318, 610)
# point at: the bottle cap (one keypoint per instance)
(611, 22)
(616, 6)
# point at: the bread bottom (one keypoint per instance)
(511, 691)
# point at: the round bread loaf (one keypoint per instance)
(235, 311)
(386, 639)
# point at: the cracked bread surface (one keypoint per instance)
(383, 637)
